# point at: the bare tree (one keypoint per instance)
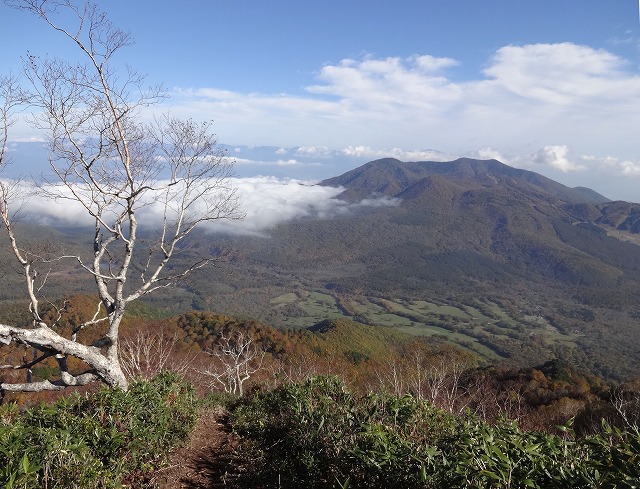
(626, 403)
(426, 374)
(390, 376)
(295, 366)
(147, 353)
(105, 159)
(238, 358)
(12, 96)
(443, 380)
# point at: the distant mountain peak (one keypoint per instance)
(393, 177)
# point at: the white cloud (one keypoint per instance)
(618, 166)
(30, 139)
(630, 168)
(314, 151)
(269, 201)
(527, 107)
(556, 157)
(431, 64)
(31, 202)
(489, 154)
(527, 97)
(291, 162)
(398, 153)
(559, 73)
(266, 202)
(382, 86)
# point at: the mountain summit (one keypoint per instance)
(478, 220)
(502, 261)
(392, 177)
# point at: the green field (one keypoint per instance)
(310, 307)
(484, 328)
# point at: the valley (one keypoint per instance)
(501, 262)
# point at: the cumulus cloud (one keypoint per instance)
(557, 157)
(618, 166)
(559, 73)
(527, 96)
(489, 154)
(314, 151)
(265, 201)
(398, 153)
(380, 86)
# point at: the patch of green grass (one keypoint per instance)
(462, 324)
(463, 341)
(385, 319)
(289, 298)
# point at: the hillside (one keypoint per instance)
(391, 177)
(503, 262)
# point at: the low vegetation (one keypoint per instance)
(112, 438)
(317, 434)
(338, 405)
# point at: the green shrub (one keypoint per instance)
(318, 435)
(96, 441)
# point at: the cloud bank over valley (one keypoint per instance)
(265, 202)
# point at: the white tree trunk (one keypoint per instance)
(107, 160)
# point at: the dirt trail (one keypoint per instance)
(203, 462)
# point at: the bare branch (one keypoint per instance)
(146, 354)
(238, 359)
(105, 159)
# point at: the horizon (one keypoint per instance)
(308, 92)
(266, 200)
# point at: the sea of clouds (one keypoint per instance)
(264, 203)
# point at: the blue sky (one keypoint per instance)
(321, 87)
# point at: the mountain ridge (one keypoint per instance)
(389, 176)
(502, 262)
(557, 268)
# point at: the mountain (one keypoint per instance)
(503, 262)
(483, 220)
(391, 177)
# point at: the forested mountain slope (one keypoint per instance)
(489, 256)
(503, 262)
